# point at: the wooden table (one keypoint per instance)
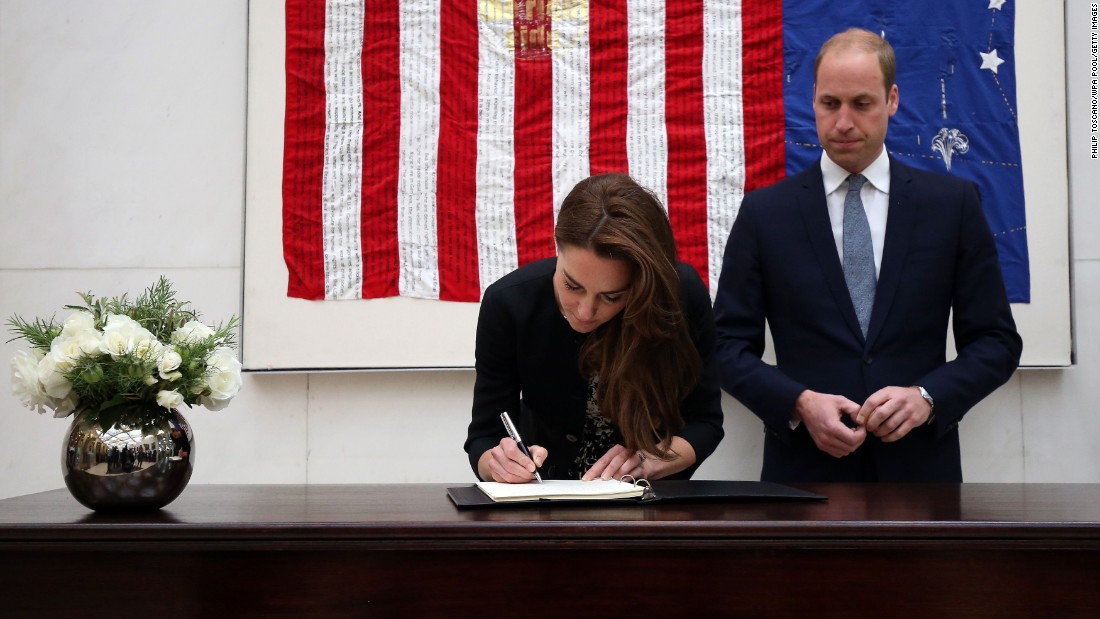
(971, 550)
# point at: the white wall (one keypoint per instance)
(122, 131)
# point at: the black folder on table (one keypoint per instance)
(660, 491)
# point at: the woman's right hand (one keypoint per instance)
(506, 463)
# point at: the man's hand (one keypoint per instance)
(891, 412)
(821, 413)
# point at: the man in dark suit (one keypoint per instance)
(857, 278)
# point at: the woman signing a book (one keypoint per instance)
(603, 356)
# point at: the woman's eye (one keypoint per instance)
(613, 299)
(569, 286)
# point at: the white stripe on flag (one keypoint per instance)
(646, 136)
(343, 163)
(496, 88)
(725, 125)
(416, 177)
(571, 97)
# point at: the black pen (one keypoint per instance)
(512, 432)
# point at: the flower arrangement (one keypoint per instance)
(122, 362)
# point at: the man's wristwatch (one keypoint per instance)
(931, 403)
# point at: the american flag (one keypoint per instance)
(429, 143)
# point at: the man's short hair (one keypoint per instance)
(866, 41)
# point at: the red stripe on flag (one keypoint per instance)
(762, 84)
(456, 169)
(381, 61)
(534, 194)
(687, 144)
(303, 149)
(607, 34)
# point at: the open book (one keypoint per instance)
(566, 492)
(562, 489)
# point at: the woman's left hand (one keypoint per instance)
(618, 462)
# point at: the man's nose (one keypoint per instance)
(843, 119)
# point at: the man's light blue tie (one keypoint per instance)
(859, 256)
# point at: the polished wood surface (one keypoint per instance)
(973, 550)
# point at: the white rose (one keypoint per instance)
(123, 335)
(146, 345)
(169, 399)
(223, 378)
(65, 351)
(53, 381)
(193, 331)
(118, 335)
(24, 381)
(64, 406)
(78, 322)
(90, 342)
(168, 364)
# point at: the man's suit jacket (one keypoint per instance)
(781, 266)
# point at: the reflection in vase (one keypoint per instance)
(125, 468)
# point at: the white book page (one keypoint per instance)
(560, 489)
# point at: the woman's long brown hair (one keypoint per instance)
(644, 358)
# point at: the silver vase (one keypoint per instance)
(128, 469)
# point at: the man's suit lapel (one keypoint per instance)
(815, 216)
(900, 224)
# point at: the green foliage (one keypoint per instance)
(38, 333)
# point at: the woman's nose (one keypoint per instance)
(586, 309)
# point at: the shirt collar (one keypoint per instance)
(878, 173)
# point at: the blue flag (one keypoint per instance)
(957, 85)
